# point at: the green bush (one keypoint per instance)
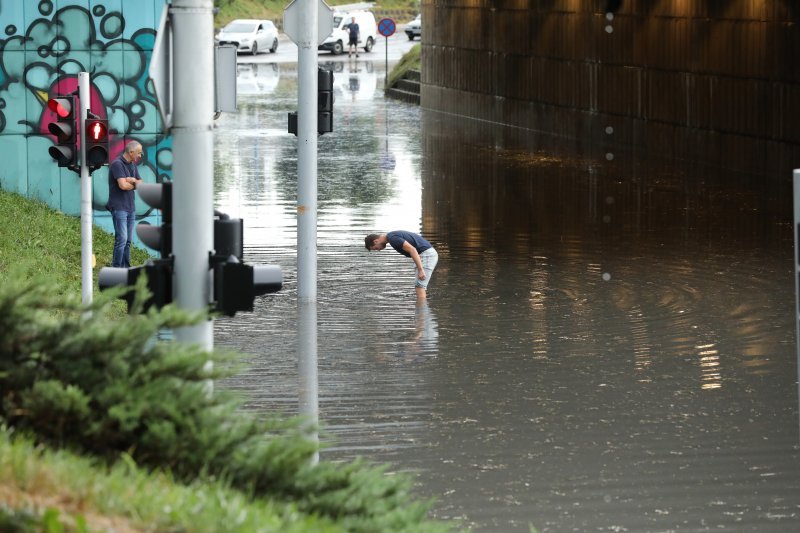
(102, 386)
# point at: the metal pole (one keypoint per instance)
(307, 369)
(307, 78)
(386, 63)
(797, 271)
(87, 285)
(192, 150)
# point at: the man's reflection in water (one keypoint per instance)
(425, 341)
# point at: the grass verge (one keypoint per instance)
(410, 61)
(39, 487)
(48, 243)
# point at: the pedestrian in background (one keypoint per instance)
(354, 34)
(410, 245)
(123, 175)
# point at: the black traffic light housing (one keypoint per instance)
(324, 104)
(159, 281)
(236, 284)
(159, 196)
(324, 101)
(96, 130)
(65, 152)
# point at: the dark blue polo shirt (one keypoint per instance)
(119, 200)
(397, 238)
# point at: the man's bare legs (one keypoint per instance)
(422, 295)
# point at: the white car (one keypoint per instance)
(414, 28)
(250, 35)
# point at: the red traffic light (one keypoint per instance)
(96, 130)
(64, 128)
(60, 106)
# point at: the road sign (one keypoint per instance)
(386, 27)
(294, 22)
(160, 70)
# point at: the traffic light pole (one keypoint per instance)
(307, 22)
(307, 64)
(307, 370)
(87, 285)
(193, 162)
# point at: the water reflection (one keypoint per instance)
(257, 78)
(427, 330)
(424, 339)
(609, 342)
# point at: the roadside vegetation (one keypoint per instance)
(104, 428)
(48, 244)
(411, 60)
(273, 9)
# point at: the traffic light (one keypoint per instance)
(324, 104)
(159, 281)
(236, 284)
(96, 141)
(324, 101)
(159, 238)
(65, 152)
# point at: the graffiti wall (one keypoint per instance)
(43, 46)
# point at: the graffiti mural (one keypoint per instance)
(43, 46)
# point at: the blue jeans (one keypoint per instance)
(123, 232)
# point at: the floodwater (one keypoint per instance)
(609, 339)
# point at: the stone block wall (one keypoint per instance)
(711, 79)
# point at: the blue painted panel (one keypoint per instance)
(100, 189)
(157, 124)
(163, 157)
(44, 177)
(12, 15)
(11, 45)
(13, 96)
(41, 73)
(74, 28)
(147, 171)
(37, 22)
(14, 170)
(140, 15)
(148, 119)
(108, 19)
(70, 193)
(110, 97)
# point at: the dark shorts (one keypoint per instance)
(353, 41)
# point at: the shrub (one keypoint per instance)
(104, 386)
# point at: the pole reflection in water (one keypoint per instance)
(308, 390)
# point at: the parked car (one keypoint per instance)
(339, 37)
(250, 35)
(414, 28)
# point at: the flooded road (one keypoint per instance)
(609, 339)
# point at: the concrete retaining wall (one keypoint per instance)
(714, 79)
